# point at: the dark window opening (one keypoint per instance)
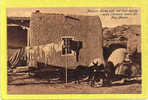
(66, 48)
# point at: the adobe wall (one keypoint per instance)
(49, 28)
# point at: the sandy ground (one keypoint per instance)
(38, 87)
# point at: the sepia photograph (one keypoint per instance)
(74, 50)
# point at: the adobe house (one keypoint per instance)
(80, 36)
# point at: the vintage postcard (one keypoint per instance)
(74, 51)
(58, 50)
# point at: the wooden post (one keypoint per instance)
(66, 69)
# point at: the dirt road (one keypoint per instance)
(117, 88)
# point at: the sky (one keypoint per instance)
(110, 17)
